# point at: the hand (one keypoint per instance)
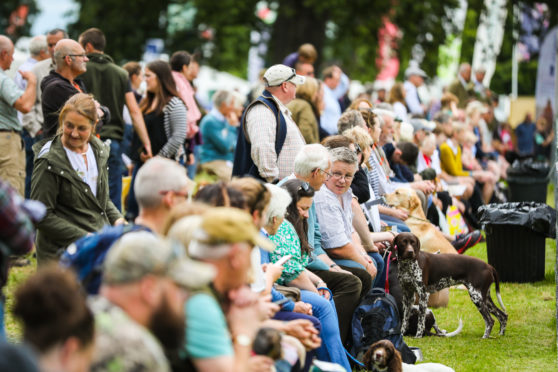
(302, 308)
(267, 308)
(100, 113)
(323, 292)
(381, 247)
(144, 157)
(120, 221)
(29, 76)
(147, 151)
(258, 363)
(232, 119)
(273, 271)
(371, 268)
(243, 314)
(191, 159)
(400, 214)
(304, 331)
(243, 296)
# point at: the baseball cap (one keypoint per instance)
(422, 124)
(415, 70)
(138, 254)
(222, 226)
(278, 74)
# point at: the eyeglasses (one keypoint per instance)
(358, 150)
(326, 173)
(175, 192)
(346, 177)
(83, 55)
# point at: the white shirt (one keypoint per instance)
(88, 173)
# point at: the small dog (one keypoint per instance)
(423, 273)
(382, 356)
(429, 324)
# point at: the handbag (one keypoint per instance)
(289, 292)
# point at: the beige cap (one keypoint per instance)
(278, 74)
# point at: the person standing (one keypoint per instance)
(12, 100)
(70, 179)
(109, 84)
(39, 51)
(415, 78)
(269, 139)
(336, 84)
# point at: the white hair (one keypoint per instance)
(156, 176)
(38, 44)
(310, 158)
(222, 96)
(280, 200)
(344, 155)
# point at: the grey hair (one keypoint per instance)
(380, 113)
(463, 67)
(350, 119)
(60, 52)
(280, 200)
(310, 158)
(54, 31)
(222, 96)
(155, 176)
(344, 155)
(5, 43)
(38, 44)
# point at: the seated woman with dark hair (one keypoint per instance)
(292, 239)
(56, 320)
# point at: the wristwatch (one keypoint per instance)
(243, 340)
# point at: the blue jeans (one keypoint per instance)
(332, 349)
(29, 142)
(193, 167)
(115, 173)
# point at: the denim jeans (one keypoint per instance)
(115, 166)
(332, 349)
(29, 142)
(132, 208)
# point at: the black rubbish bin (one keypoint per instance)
(515, 238)
(528, 181)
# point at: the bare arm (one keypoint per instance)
(25, 103)
(353, 252)
(303, 281)
(361, 226)
(137, 122)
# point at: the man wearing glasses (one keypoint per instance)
(62, 83)
(269, 139)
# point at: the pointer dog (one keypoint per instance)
(424, 273)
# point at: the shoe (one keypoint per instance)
(466, 241)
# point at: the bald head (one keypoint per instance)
(6, 52)
(70, 58)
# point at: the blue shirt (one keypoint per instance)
(219, 138)
(525, 133)
(332, 110)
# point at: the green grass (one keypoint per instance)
(530, 340)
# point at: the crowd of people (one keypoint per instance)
(252, 229)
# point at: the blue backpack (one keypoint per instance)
(86, 255)
(377, 318)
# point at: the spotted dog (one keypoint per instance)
(424, 273)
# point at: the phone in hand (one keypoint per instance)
(283, 259)
(281, 302)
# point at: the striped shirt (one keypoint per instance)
(261, 127)
(175, 127)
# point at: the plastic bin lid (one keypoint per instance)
(529, 167)
(539, 217)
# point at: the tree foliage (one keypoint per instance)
(126, 24)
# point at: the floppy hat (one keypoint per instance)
(138, 254)
(222, 226)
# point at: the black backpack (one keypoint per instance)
(377, 318)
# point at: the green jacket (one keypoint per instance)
(109, 84)
(72, 209)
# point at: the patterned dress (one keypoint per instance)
(287, 242)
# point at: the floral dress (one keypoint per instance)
(287, 242)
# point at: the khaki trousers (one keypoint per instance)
(12, 160)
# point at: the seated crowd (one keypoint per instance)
(260, 263)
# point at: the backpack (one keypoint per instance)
(377, 318)
(86, 255)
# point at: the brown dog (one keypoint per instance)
(382, 356)
(431, 239)
(423, 273)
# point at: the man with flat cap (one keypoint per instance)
(140, 310)
(269, 139)
(414, 79)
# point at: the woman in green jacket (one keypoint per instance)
(70, 179)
